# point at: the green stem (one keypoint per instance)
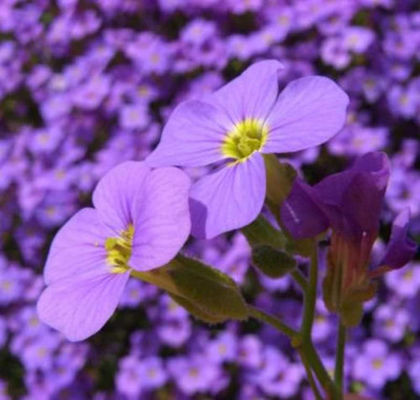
(339, 361)
(319, 370)
(310, 298)
(311, 379)
(306, 347)
(260, 315)
(300, 279)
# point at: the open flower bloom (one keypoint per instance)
(349, 203)
(140, 221)
(235, 126)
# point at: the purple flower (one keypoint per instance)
(174, 332)
(140, 221)
(390, 322)
(129, 380)
(250, 352)
(350, 203)
(414, 373)
(223, 348)
(134, 116)
(3, 391)
(152, 373)
(375, 364)
(405, 282)
(235, 126)
(192, 375)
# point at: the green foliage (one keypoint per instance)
(272, 262)
(205, 292)
(261, 232)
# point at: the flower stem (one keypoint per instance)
(310, 298)
(311, 379)
(300, 279)
(260, 315)
(305, 346)
(339, 361)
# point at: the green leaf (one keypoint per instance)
(207, 288)
(303, 247)
(272, 262)
(196, 311)
(204, 291)
(261, 232)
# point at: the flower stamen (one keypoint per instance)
(247, 137)
(119, 250)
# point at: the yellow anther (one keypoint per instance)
(244, 139)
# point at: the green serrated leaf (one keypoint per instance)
(261, 232)
(272, 262)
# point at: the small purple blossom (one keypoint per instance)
(376, 364)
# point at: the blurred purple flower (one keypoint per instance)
(390, 322)
(375, 365)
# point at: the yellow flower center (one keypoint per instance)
(119, 250)
(244, 139)
(377, 363)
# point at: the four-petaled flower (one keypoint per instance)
(235, 125)
(140, 221)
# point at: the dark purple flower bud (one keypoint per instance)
(401, 249)
(350, 204)
(301, 213)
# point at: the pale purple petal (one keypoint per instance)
(78, 247)
(80, 306)
(308, 112)
(115, 194)
(161, 218)
(228, 199)
(401, 249)
(252, 94)
(192, 137)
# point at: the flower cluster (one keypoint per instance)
(86, 85)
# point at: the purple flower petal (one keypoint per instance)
(376, 164)
(80, 306)
(252, 94)
(116, 192)
(228, 199)
(78, 247)
(161, 218)
(301, 213)
(192, 137)
(308, 112)
(353, 199)
(401, 249)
